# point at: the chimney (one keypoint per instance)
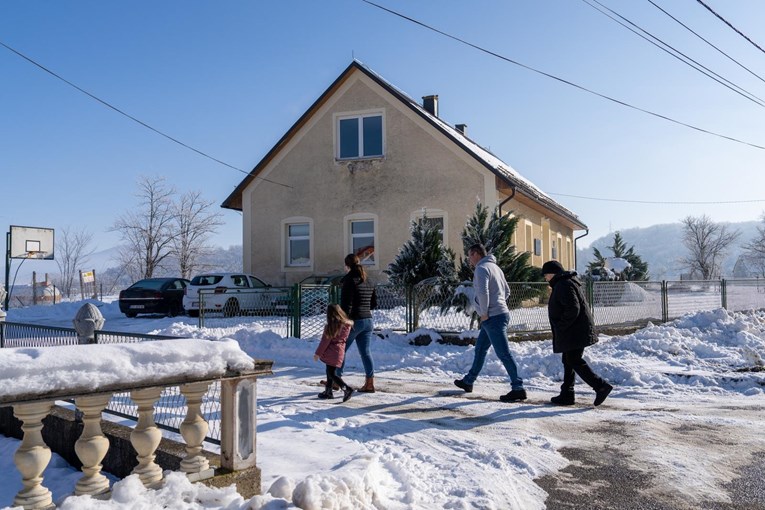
(430, 103)
(462, 128)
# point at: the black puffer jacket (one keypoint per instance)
(357, 298)
(570, 315)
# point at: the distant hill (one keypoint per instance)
(662, 248)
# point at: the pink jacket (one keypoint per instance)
(331, 350)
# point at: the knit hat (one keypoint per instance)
(552, 267)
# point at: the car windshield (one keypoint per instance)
(153, 284)
(207, 279)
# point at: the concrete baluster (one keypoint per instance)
(146, 436)
(92, 446)
(194, 429)
(32, 456)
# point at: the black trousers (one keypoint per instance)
(332, 377)
(573, 363)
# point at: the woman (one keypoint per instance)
(357, 299)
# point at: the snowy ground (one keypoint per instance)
(685, 421)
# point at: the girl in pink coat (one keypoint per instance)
(331, 349)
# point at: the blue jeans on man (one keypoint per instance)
(361, 333)
(494, 334)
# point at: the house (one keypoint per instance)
(748, 266)
(359, 166)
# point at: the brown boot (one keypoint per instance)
(369, 386)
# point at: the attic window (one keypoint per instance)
(360, 136)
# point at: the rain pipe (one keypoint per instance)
(586, 232)
(506, 200)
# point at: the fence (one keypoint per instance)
(171, 407)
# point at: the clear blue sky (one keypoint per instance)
(229, 78)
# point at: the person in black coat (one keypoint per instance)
(573, 329)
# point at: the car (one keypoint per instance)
(230, 293)
(154, 295)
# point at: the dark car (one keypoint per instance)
(154, 295)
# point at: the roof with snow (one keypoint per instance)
(501, 169)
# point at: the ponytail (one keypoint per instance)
(354, 264)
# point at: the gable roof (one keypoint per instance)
(502, 170)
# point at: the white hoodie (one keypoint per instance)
(491, 288)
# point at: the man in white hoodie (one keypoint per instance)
(490, 301)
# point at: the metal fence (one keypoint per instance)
(170, 410)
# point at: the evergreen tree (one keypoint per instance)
(495, 232)
(423, 256)
(639, 269)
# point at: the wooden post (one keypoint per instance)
(82, 287)
(34, 287)
(95, 286)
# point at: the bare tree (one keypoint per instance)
(707, 242)
(147, 232)
(193, 224)
(755, 249)
(72, 251)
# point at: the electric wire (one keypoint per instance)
(742, 66)
(134, 119)
(562, 80)
(739, 32)
(714, 202)
(677, 54)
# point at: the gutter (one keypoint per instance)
(575, 240)
(512, 187)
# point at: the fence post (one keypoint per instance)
(724, 293)
(664, 301)
(591, 295)
(409, 309)
(201, 296)
(297, 299)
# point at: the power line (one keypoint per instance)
(706, 41)
(739, 32)
(556, 78)
(134, 119)
(679, 55)
(716, 202)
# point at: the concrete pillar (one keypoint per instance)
(238, 406)
(146, 436)
(194, 429)
(32, 457)
(92, 446)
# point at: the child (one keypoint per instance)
(331, 350)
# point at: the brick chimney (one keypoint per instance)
(430, 103)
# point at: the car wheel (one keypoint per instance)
(130, 315)
(231, 308)
(174, 309)
(193, 313)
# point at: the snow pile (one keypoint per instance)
(90, 367)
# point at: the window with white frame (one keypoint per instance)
(363, 240)
(437, 223)
(298, 244)
(360, 136)
(554, 250)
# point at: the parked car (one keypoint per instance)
(230, 293)
(154, 295)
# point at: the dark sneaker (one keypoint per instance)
(326, 394)
(347, 392)
(564, 399)
(602, 394)
(335, 386)
(463, 385)
(514, 396)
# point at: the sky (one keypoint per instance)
(685, 416)
(230, 78)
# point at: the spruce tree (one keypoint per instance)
(639, 269)
(423, 256)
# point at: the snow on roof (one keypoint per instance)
(31, 371)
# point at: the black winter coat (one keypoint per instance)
(357, 298)
(570, 315)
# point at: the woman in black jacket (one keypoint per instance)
(573, 329)
(357, 299)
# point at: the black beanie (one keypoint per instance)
(552, 267)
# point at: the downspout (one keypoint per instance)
(586, 232)
(506, 200)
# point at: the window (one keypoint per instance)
(528, 240)
(363, 240)
(360, 136)
(537, 247)
(299, 244)
(554, 250)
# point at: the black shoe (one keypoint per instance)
(335, 386)
(326, 394)
(460, 383)
(602, 394)
(347, 392)
(514, 396)
(564, 399)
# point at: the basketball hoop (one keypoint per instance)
(34, 254)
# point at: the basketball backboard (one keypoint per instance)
(31, 242)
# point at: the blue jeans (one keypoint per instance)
(494, 333)
(361, 332)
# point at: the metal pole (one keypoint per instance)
(7, 269)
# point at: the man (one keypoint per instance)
(490, 300)
(573, 329)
